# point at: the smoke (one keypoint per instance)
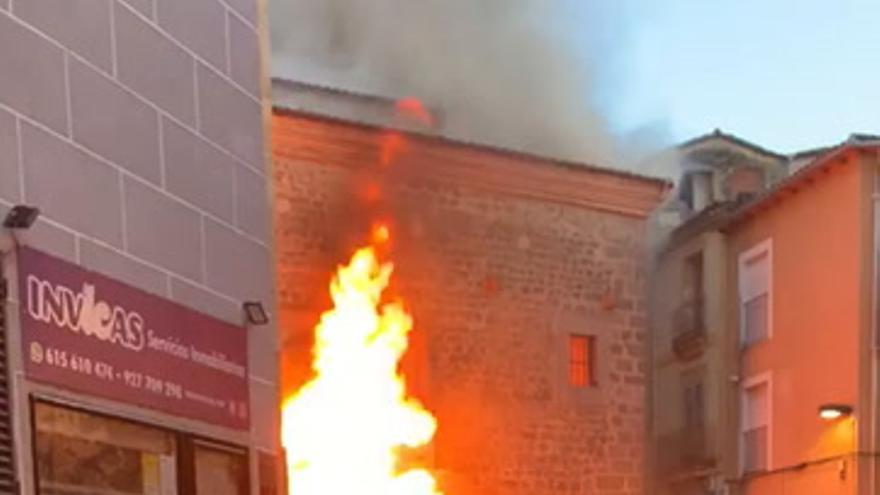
(520, 74)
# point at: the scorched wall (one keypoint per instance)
(501, 259)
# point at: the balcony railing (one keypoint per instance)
(689, 330)
(694, 452)
(684, 451)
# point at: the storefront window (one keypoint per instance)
(220, 471)
(79, 453)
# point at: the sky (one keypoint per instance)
(786, 74)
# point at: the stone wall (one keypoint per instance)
(498, 274)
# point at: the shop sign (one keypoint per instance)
(88, 333)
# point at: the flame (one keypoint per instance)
(392, 145)
(380, 234)
(414, 109)
(344, 430)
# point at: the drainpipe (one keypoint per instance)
(875, 337)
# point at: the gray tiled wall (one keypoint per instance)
(136, 127)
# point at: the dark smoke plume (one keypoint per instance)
(520, 74)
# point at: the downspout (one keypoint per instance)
(875, 336)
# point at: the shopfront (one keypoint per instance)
(115, 391)
(79, 452)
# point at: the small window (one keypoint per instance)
(755, 295)
(582, 361)
(694, 405)
(756, 427)
(744, 181)
(693, 274)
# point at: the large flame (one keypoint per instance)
(344, 430)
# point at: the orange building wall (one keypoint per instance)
(813, 354)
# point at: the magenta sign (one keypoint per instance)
(88, 333)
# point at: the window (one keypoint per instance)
(693, 406)
(744, 181)
(756, 425)
(755, 293)
(693, 433)
(220, 471)
(79, 453)
(582, 361)
(693, 274)
(690, 313)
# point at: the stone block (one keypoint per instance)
(230, 118)
(33, 75)
(252, 203)
(198, 24)
(81, 25)
(154, 66)
(198, 172)
(114, 123)
(244, 56)
(70, 186)
(162, 230)
(121, 267)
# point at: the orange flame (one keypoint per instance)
(414, 109)
(393, 144)
(343, 430)
(381, 234)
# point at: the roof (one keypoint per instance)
(812, 152)
(854, 138)
(353, 106)
(719, 134)
(807, 173)
(724, 215)
(426, 134)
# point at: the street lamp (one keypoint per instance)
(255, 313)
(830, 412)
(21, 217)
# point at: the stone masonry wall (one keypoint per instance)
(136, 126)
(496, 282)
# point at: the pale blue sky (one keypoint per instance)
(787, 74)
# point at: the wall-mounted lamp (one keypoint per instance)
(255, 313)
(21, 217)
(830, 412)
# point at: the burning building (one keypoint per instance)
(524, 278)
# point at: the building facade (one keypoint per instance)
(803, 258)
(136, 127)
(526, 280)
(777, 384)
(689, 284)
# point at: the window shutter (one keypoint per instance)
(755, 272)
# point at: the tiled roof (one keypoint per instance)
(719, 134)
(806, 173)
